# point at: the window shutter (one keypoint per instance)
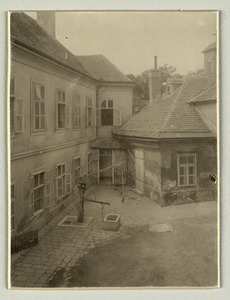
(19, 117)
(86, 117)
(31, 182)
(56, 188)
(68, 183)
(98, 117)
(47, 194)
(31, 204)
(67, 116)
(117, 117)
(57, 115)
(73, 172)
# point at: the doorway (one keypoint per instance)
(105, 162)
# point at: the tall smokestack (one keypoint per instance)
(46, 19)
(154, 81)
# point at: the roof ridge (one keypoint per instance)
(173, 107)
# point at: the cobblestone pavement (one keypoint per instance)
(61, 246)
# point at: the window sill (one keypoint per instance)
(37, 213)
(36, 133)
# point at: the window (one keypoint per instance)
(12, 206)
(107, 112)
(106, 115)
(186, 169)
(89, 112)
(76, 170)
(63, 181)
(76, 112)
(89, 163)
(62, 110)
(38, 106)
(16, 110)
(40, 191)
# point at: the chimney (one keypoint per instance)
(154, 81)
(46, 19)
(210, 63)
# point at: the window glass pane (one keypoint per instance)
(37, 122)
(59, 170)
(191, 159)
(107, 117)
(42, 108)
(182, 180)
(42, 178)
(61, 115)
(103, 104)
(42, 92)
(182, 171)
(89, 116)
(42, 122)
(183, 159)
(36, 108)
(110, 103)
(63, 169)
(191, 180)
(191, 170)
(36, 180)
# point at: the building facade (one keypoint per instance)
(60, 104)
(172, 143)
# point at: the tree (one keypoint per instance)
(142, 79)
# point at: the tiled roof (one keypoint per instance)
(208, 95)
(210, 47)
(106, 143)
(102, 69)
(26, 32)
(170, 117)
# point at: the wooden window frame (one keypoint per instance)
(76, 111)
(186, 168)
(17, 105)
(45, 186)
(76, 169)
(40, 101)
(89, 108)
(61, 102)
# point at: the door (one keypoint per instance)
(139, 167)
(105, 164)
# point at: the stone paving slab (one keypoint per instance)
(61, 247)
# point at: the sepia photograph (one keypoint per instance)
(114, 149)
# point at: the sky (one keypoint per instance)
(132, 39)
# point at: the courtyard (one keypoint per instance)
(154, 246)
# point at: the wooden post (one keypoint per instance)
(81, 189)
(81, 206)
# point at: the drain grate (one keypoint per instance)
(72, 221)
